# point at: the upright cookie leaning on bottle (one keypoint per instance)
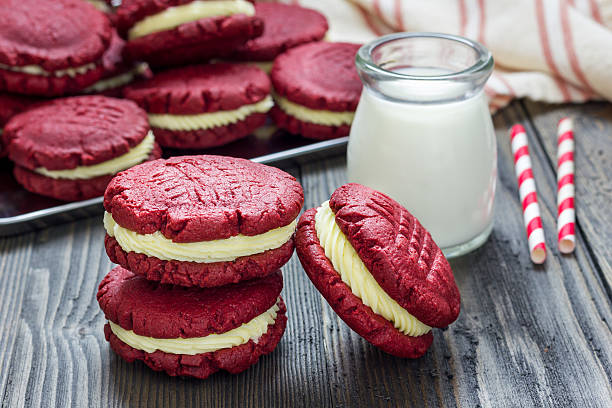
(201, 220)
(379, 269)
(51, 48)
(176, 32)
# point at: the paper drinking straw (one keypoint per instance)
(527, 194)
(566, 213)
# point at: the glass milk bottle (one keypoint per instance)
(423, 133)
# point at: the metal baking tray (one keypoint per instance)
(22, 211)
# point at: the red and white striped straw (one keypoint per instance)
(566, 213)
(527, 194)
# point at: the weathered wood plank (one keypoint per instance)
(527, 336)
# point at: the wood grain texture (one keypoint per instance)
(527, 336)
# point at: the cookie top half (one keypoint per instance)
(165, 311)
(52, 35)
(77, 131)
(285, 26)
(203, 198)
(201, 88)
(319, 75)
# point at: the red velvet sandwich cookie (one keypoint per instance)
(70, 148)
(117, 71)
(317, 89)
(379, 269)
(285, 26)
(51, 48)
(192, 331)
(176, 32)
(203, 106)
(10, 105)
(201, 220)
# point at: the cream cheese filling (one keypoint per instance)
(117, 80)
(208, 120)
(134, 156)
(37, 70)
(219, 250)
(100, 5)
(252, 330)
(316, 116)
(356, 276)
(265, 66)
(175, 16)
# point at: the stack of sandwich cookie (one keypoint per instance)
(317, 89)
(285, 26)
(203, 106)
(192, 331)
(200, 240)
(175, 32)
(117, 72)
(69, 149)
(379, 269)
(201, 220)
(51, 48)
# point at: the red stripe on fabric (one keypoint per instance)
(525, 175)
(569, 156)
(541, 245)
(568, 42)
(376, 7)
(398, 15)
(489, 91)
(530, 199)
(462, 17)
(516, 129)
(567, 179)
(481, 22)
(539, 6)
(533, 225)
(565, 204)
(368, 20)
(567, 229)
(520, 152)
(569, 135)
(595, 11)
(506, 84)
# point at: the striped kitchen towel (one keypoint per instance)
(547, 50)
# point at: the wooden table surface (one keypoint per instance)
(527, 336)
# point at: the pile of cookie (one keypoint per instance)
(194, 67)
(200, 241)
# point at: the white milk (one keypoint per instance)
(437, 160)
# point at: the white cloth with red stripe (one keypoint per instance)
(547, 50)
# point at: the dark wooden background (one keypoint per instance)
(527, 336)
